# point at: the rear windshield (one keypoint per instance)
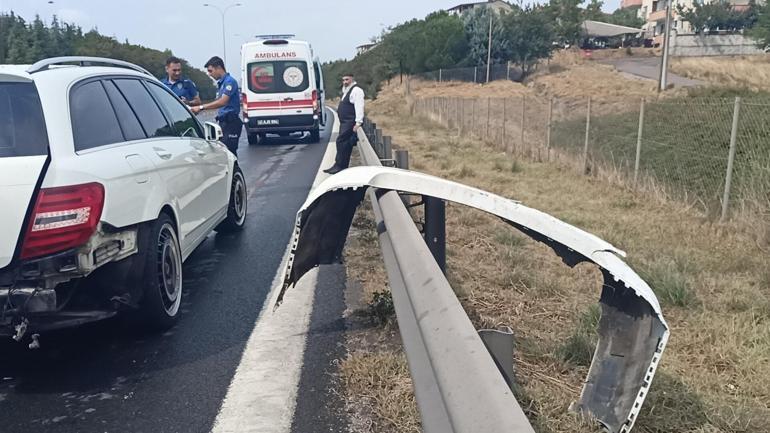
(22, 126)
(278, 77)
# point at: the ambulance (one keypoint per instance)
(282, 87)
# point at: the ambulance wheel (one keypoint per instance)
(315, 135)
(253, 138)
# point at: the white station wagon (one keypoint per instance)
(108, 183)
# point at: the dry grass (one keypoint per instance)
(750, 72)
(713, 280)
(566, 75)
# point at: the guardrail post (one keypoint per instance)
(387, 149)
(499, 343)
(639, 142)
(435, 229)
(588, 136)
(378, 142)
(731, 158)
(402, 159)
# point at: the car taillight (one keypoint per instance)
(63, 218)
(315, 101)
(244, 106)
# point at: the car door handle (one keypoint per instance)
(162, 153)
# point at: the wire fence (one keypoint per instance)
(475, 74)
(711, 153)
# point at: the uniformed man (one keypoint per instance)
(181, 86)
(228, 102)
(351, 114)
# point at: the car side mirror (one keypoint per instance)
(213, 131)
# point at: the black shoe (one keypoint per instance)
(333, 170)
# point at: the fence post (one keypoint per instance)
(508, 71)
(475, 73)
(502, 141)
(489, 103)
(523, 119)
(731, 158)
(548, 130)
(473, 117)
(439, 75)
(639, 142)
(588, 134)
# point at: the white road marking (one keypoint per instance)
(262, 395)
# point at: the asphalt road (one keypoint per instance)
(649, 68)
(107, 378)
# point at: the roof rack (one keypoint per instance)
(84, 61)
(275, 36)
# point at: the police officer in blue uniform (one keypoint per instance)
(181, 86)
(228, 102)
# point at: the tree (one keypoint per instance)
(719, 15)
(476, 23)
(531, 36)
(567, 18)
(593, 11)
(628, 17)
(761, 29)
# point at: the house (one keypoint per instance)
(365, 47)
(496, 5)
(625, 4)
(654, 13)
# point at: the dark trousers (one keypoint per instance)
(345, 142)
(231, 131)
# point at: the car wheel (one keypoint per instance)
(162, 291)
(253, 139)
(315, 135)
(237, 206)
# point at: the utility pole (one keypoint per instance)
(663, 83)
(222, 12)
(489, 43)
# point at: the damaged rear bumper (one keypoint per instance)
(35, 295)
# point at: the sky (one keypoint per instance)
(194, 32)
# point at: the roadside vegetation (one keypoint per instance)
(712, 281)
(23, 42)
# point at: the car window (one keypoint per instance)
(22, 126)
(129, 123)
(184, 123)
(94, 122)
(150, 116)
(278, 77)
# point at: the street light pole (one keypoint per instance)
(222, 13)
(663, 84)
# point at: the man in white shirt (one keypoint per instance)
(351, 114)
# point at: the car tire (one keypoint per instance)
(253, 139)
(315, 135)
(237, 205)
(162, 279)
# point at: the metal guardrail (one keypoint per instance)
(457, 384)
